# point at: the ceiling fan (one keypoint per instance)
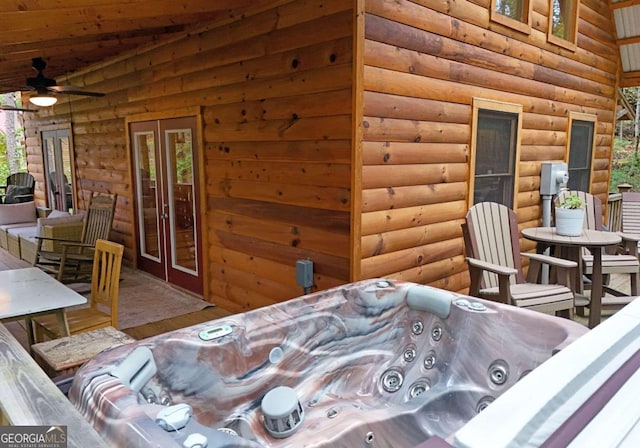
(16, 109)
(46, 88)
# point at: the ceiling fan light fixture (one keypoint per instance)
(43, 99)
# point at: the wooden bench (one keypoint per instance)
(66, 355)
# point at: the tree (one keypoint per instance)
(10, 127)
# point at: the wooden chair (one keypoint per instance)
(19, 188)
(631, 213)
(622, 259)
(105, 283)
(74, 261)
(492, 246)
(61, 193)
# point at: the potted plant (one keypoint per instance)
(570, 215)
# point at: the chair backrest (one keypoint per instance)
(20, 188)
(22, 180)
(631, 212)
(105, 278)
(593, 208)
(614, 212)
(61, 193)
(491, 234)
(98, 218)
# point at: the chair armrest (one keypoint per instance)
(565, 269)
(59, 240)
(495, 268)
(552, 261)
(53, 235)
(629, 244)
(504, 273)
(77, 244)
(629, 236)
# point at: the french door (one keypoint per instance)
(56, 148)
(165, 166)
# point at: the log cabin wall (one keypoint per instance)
(275, 90)
(424, 63)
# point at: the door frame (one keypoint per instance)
(199, 168)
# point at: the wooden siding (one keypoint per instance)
(424, 62)
(275, 89)
(340, 131)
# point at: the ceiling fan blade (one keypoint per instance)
(71, 90)
(17, 109)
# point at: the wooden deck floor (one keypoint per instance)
(8, 261)
(186, 320)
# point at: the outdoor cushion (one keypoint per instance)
(57, 217)
(18, 193)
(15, 213)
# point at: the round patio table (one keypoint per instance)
(594, 240)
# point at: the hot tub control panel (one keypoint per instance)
(215, 332)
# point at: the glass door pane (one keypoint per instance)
(147, 182)
(56, 146)
(181, 199)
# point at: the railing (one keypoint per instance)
(614, 212)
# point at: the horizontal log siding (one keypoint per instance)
(425, 61)
(275, 88)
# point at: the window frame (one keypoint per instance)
(494, 106)
(521, 26)
(569, 44)
(578, 116)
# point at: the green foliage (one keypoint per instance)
(21, 156)
(4, 164)
(625, 166)
(571, 201)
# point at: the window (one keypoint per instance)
(581, 143)
(563, 23)
(495, 145)
(512, 13)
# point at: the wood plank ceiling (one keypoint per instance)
(73, 34)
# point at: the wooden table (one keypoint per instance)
(594, 240)
(29, 292)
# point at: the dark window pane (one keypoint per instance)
(495, 150)
(580, 154)
(494, 189)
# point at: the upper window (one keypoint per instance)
(495, 148)
(563, 23)
(581, 143)
(512, 13)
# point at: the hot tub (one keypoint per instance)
(376, 363)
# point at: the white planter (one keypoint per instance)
(569, 222)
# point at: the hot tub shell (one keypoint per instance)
(372, 363)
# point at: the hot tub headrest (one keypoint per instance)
(136, 369)
(432, 300)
